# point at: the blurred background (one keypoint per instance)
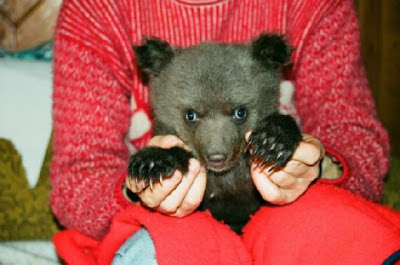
(380, 43)
(26, 32)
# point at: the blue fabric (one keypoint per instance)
(393, 258)
(42, 52)
(138, 249)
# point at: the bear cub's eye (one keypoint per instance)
(191, 116)
(239, 114)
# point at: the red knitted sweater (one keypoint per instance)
(98, 94)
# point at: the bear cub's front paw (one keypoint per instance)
(274, 140)
(152, 164)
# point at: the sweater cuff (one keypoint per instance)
(345, 168)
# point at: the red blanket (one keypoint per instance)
(327, 225)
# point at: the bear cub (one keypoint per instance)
(210, 95)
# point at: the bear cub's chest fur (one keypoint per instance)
(210, 95)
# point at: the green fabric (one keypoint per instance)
(24, 212)
(391, 195)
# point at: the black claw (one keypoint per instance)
(274, 140)
(264, 163)
(256, 148)
(153, 163)
(169, 172)
(140, 171)
(273, 167)
(248, 147)
(262, 153)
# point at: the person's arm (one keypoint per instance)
(91, 117)
(335, 103)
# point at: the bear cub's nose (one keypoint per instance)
(216, 160)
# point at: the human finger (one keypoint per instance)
(295, 168)
(283, 180)
(247, 135)
(133, 185)
(167, 141)
(174, 200)
(152, 197)
(194, 196)
(267, 188)
(308, 153)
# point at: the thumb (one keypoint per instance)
(247, 135)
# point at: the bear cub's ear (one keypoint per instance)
(153, 55)
(271, 50)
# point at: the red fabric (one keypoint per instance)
(327, 225)
(345, 168)
(195, 239)
(98, 92)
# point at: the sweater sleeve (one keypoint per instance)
(91, 114)
(335, 104)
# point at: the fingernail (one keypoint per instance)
(176, 177)
(193, 165)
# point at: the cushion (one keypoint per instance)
(25, 153)
(27, 23)
(24, 212)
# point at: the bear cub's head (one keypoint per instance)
(211, 94)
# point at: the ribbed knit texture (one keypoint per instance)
(98, 93)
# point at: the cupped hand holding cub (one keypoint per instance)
(284, 185)
(180, 196)
(177, 195)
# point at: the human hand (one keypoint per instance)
(176, 195)
(284, 185)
